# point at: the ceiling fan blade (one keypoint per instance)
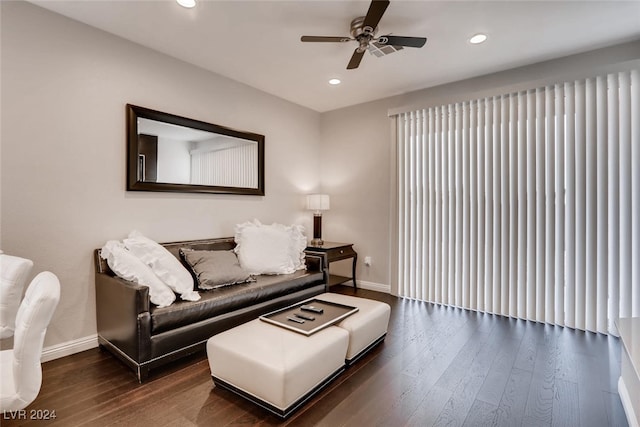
(324, 39)
(355, 59)
(375, 12)
(402, 41)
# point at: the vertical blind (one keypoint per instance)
(527, 204)
(212, 167)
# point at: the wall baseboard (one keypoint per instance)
(627, 404)
(68, 348)
(373, 286)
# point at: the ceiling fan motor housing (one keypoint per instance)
(364, 35)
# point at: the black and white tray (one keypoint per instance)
(331, 313)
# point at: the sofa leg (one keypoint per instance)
(142, 373)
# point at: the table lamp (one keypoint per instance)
(317, 203)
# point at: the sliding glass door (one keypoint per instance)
(525, 204)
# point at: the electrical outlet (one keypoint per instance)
(367, 261)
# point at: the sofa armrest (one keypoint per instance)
(122, 314)
(317, 263)
(131, 297)
(314, 262)
(122, 291)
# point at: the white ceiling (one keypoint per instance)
(258, 42)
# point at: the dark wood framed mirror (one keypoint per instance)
(166, 152)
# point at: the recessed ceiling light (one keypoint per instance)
(478, 38)
(187, 3)
(334, 82)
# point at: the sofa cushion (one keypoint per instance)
(129, 267)
(166, 266)
(223, 300)
(214, 269)
(270, 249)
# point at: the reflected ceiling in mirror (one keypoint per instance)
(173, 153)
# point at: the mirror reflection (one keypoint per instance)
(172, 153)
(175, 154)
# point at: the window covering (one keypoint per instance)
(212, 167)
(525, 204)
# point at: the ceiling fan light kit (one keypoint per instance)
(363, 31)
(187, 3)
(478, 38)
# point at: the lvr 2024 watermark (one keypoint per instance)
(31, 414)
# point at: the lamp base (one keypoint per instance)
(317, 229)
(317, 242)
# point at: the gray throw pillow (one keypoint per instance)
(214, 269)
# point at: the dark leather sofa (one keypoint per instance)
(144, 336)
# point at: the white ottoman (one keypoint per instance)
(273, 367)
(367, 327)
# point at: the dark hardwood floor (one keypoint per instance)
(438, 366)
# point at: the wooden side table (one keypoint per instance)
(332, 251)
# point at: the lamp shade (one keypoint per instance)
(318, 202)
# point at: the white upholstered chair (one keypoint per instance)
(13, 276)
(20, 369)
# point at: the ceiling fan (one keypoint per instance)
(363, 31)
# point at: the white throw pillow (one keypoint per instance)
(130, 267)
(270, 249)
(298, 245)
(163, 264)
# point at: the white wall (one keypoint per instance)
(174, 161)
(357, 157)
(64, 90)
